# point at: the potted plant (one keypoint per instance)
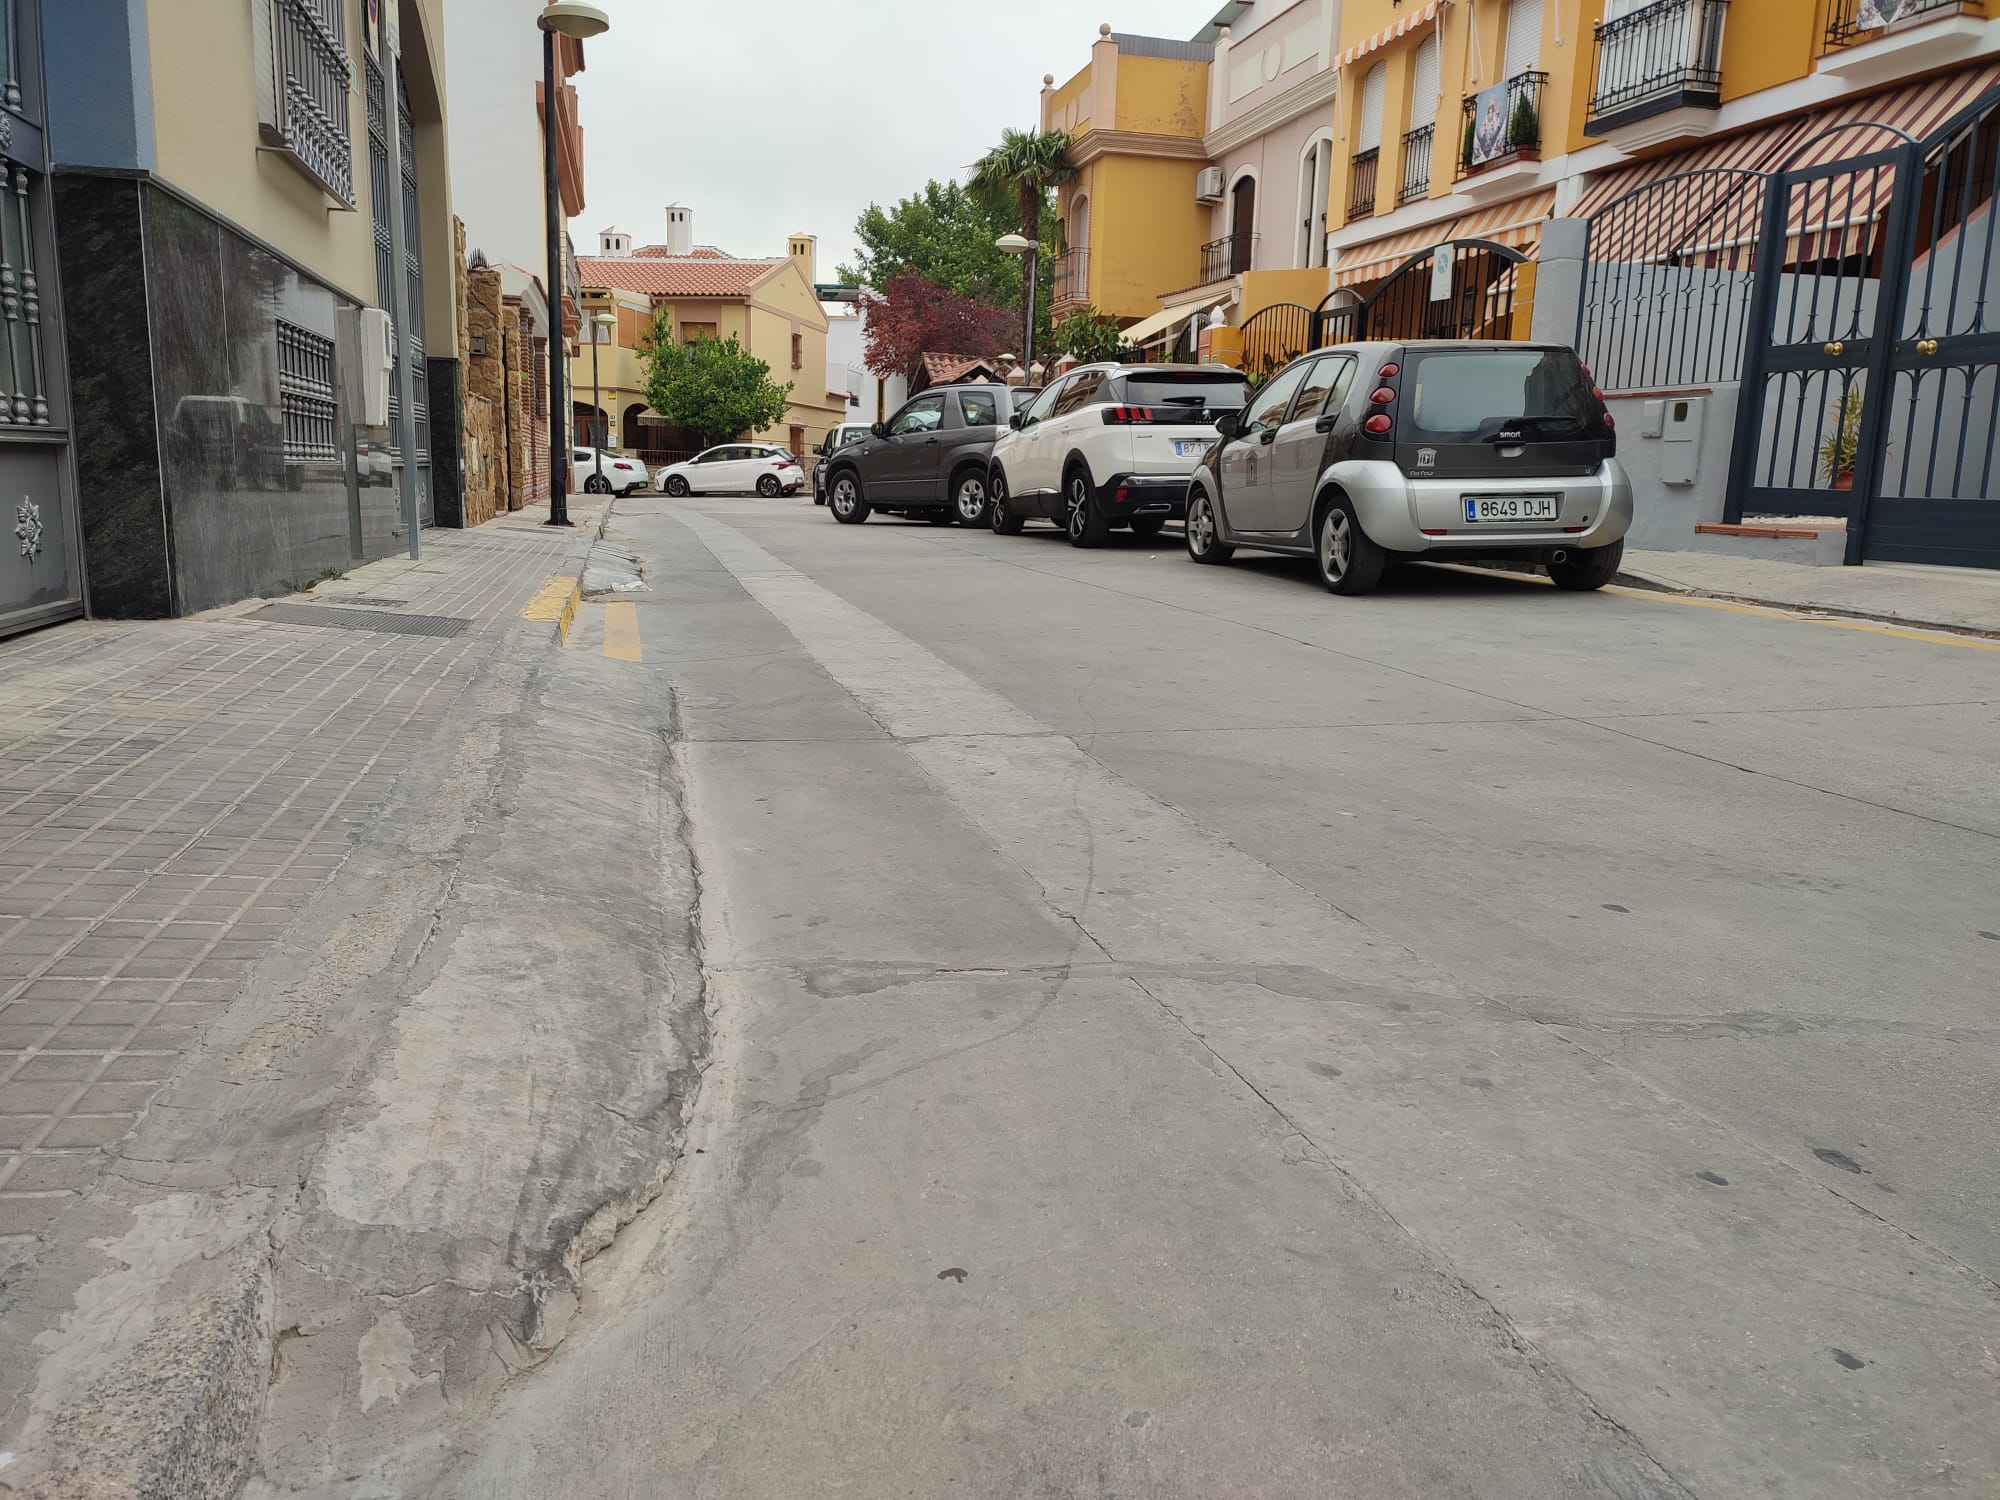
(1524, 131)
(1839, 449)
(1465, 152)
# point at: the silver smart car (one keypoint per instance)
(1364, 454)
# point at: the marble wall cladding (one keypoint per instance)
(121, 501)
(447, 401)
(246, 516)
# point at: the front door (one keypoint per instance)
(1246, 493)
(41, 576)
(908, 469)
(1300, 448)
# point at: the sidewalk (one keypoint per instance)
(1945, 598)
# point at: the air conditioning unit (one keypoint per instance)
(378, 357)
(1208, 186)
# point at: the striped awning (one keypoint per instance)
(1720, 216)
(1516, 223)
(1423, 16)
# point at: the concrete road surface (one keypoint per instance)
(1183, 1034)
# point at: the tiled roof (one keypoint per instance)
(945, 369)
(675, 276)
(700, 252)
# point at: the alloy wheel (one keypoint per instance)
(971, 499)
(843, 496)
(1336, 544)
(1200, 527)
(1079, 506)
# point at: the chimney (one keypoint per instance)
(613, 242)
(680, 229)
(805, 250)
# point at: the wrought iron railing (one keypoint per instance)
(1417, 164)
(1850, 20)
(1361, 184)
(1665, 51)
(1229, 256)
(1503, 123)
(1073, 276)
(312, 79)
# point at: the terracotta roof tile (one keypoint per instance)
(943, 369)
(675, 276)
(700, 252)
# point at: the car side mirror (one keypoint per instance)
(819, 450)
(1230, 424)
(880, 429)
(1016, 419)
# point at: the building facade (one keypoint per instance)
(220, 198)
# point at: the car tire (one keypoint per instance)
(1587, 568)
(677, 486)
(1148, 526)
(597, 484)
(768, 486)
(845, 499)
(999, 515)
(1086, 524)
(1350, 562)
(1204, 532)
(968, 498)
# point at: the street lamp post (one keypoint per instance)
(1020, 244)
(601, 320)
(570, 18)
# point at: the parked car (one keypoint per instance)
(734, 469)
(837, 437)
(1364, 454)
(928, 460)
(619, 473)
(1108, 446)
(233, 442)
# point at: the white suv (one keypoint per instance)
(1110, 445)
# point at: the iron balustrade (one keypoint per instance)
(1229, 256)
(1517, 132)
(1073, 276)
(1850, 20)
(1668, 53)
(1361, 180)
(313, 80)
(1417, 164)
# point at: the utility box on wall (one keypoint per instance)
(1680, 439)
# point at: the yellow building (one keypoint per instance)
(696, 291)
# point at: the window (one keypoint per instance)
(798, 351)
(1424, 83)
(925, 414)
(692, 331)
(1267, 407)
(1374, 94)
(600, 333)
(1077, 394)
(1315, 177)
(1524, 38)
(1043, 403)
(305, 394)
(303, 78)
(1324, 388)
(1197, 393)
(1468, 396)
(979, 408)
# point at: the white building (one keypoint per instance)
(870, 397)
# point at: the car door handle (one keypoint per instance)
(1327, 423)
(1268, 436)
(930, 442)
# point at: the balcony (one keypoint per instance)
(1417, 164)
(1072, 276)
(1874, 41)
(1361, 184)
(1229, 256)
(1652, 62)
(1502, 140)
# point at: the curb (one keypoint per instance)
(1653, 585)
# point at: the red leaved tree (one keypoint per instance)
(915, 316)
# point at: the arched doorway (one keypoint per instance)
(1242, 223)
(632, 435)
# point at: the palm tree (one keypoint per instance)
(1019, 173)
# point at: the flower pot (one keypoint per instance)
(1844, 480)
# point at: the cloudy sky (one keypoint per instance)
(770, 116)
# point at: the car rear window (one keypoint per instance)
(1210, 392)
(1476, 395)
(979, 408)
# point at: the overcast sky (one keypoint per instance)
(770, 116)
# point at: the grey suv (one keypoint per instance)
(1364, 454)
(928, 460)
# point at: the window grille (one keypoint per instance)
(305, 391)
(303, 80)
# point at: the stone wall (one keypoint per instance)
(488, 466)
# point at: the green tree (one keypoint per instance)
(1088, 335)
(944, 235)
(1022, 171)
(712, 388)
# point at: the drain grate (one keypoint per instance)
(368, 599)
(361, 619)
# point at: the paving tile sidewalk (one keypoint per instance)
(172, 793)
(1949, 598)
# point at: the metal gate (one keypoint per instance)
(1462, 289)
(1871, 384)
(385, 270)
(41, 574)
(1274, 336)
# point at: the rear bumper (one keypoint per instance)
(1427, 516)
(1126, 495)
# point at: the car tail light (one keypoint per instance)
(1377, 425)
(1611, 423)
(1118, 416)
(1585, 368)
(1383, 395)
(1389, 371)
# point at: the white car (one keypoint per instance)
(618, 474)
(1110, 445)
(734, 469)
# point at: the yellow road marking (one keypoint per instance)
(556, 601)
(621, 632)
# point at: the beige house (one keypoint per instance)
(698, 291)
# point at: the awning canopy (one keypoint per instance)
(1722, 212)
(1395, 29)
(1516, 223)
(1158, 326)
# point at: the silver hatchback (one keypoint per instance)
(1364, 454)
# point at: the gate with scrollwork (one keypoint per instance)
(41, 575)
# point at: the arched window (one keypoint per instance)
(1315, 178)
(1242, 223)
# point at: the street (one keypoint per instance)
(1178, 1033)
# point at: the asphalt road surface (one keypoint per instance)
(1180, 1033)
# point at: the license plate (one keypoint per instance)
(1190, 450)
(1511, 507)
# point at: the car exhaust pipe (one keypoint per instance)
(1559, 556)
